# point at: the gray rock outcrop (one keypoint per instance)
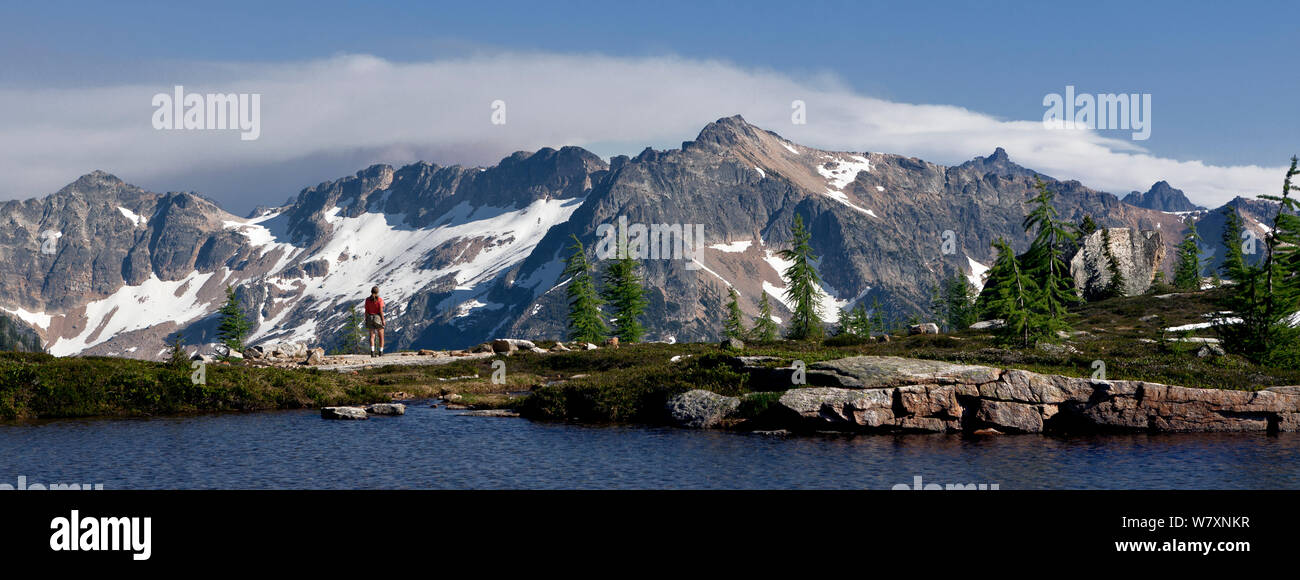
(891, 394)
(343, 413)
(386, 409)
(701, 409)
(1138, 255)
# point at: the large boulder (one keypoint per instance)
(701, 409)
(924, 328)
(288, 351)
(1138, 254)
(503, 346)
(316, 356)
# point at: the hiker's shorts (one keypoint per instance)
(374, 322)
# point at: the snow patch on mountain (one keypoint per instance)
(135, 218)
(733, 247)
(839, 173)
(40, 320)
(150, 303)
(976, 276)
(466, 308)
(828, 305)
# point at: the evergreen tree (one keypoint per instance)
(956, 302)
(878, 323)
(994, 279)
(625, 293)
(802, 284)
(585, 322)
(353, 338)
(1013, 299)
(1045, 261)
(860, 321)
(844, 324)
(234, 326)
(1115, 287)
(1187, 272)
(1087, 226)
(733, 326)
(765, 329)
(1234, 259)
(1267, 297)
(177, 357)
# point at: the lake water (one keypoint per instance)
(441, 449)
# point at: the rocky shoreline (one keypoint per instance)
(873, 394)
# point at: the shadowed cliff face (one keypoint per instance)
(466, 254)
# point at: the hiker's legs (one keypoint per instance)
(381, 340)
(372, 340)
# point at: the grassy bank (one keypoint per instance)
(629, 384)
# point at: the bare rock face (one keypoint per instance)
(1138, 254)
(892, 394)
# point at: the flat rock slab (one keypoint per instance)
(897, 394)
(877, 372)
(344, 413)
(353, 362)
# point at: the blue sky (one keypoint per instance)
(1223, 79)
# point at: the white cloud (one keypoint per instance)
(360, 109)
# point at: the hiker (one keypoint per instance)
(375, 320)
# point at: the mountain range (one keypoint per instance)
(465, 254)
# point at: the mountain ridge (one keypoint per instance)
(466, 254)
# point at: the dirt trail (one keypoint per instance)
(356, 362)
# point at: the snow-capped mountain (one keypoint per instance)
(466, 254)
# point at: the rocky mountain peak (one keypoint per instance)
(1162, 197)
(998, 163)
(97, 184)
(728, 132)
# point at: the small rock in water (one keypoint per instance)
(343, 413)
(387, 409)
(451, 397)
